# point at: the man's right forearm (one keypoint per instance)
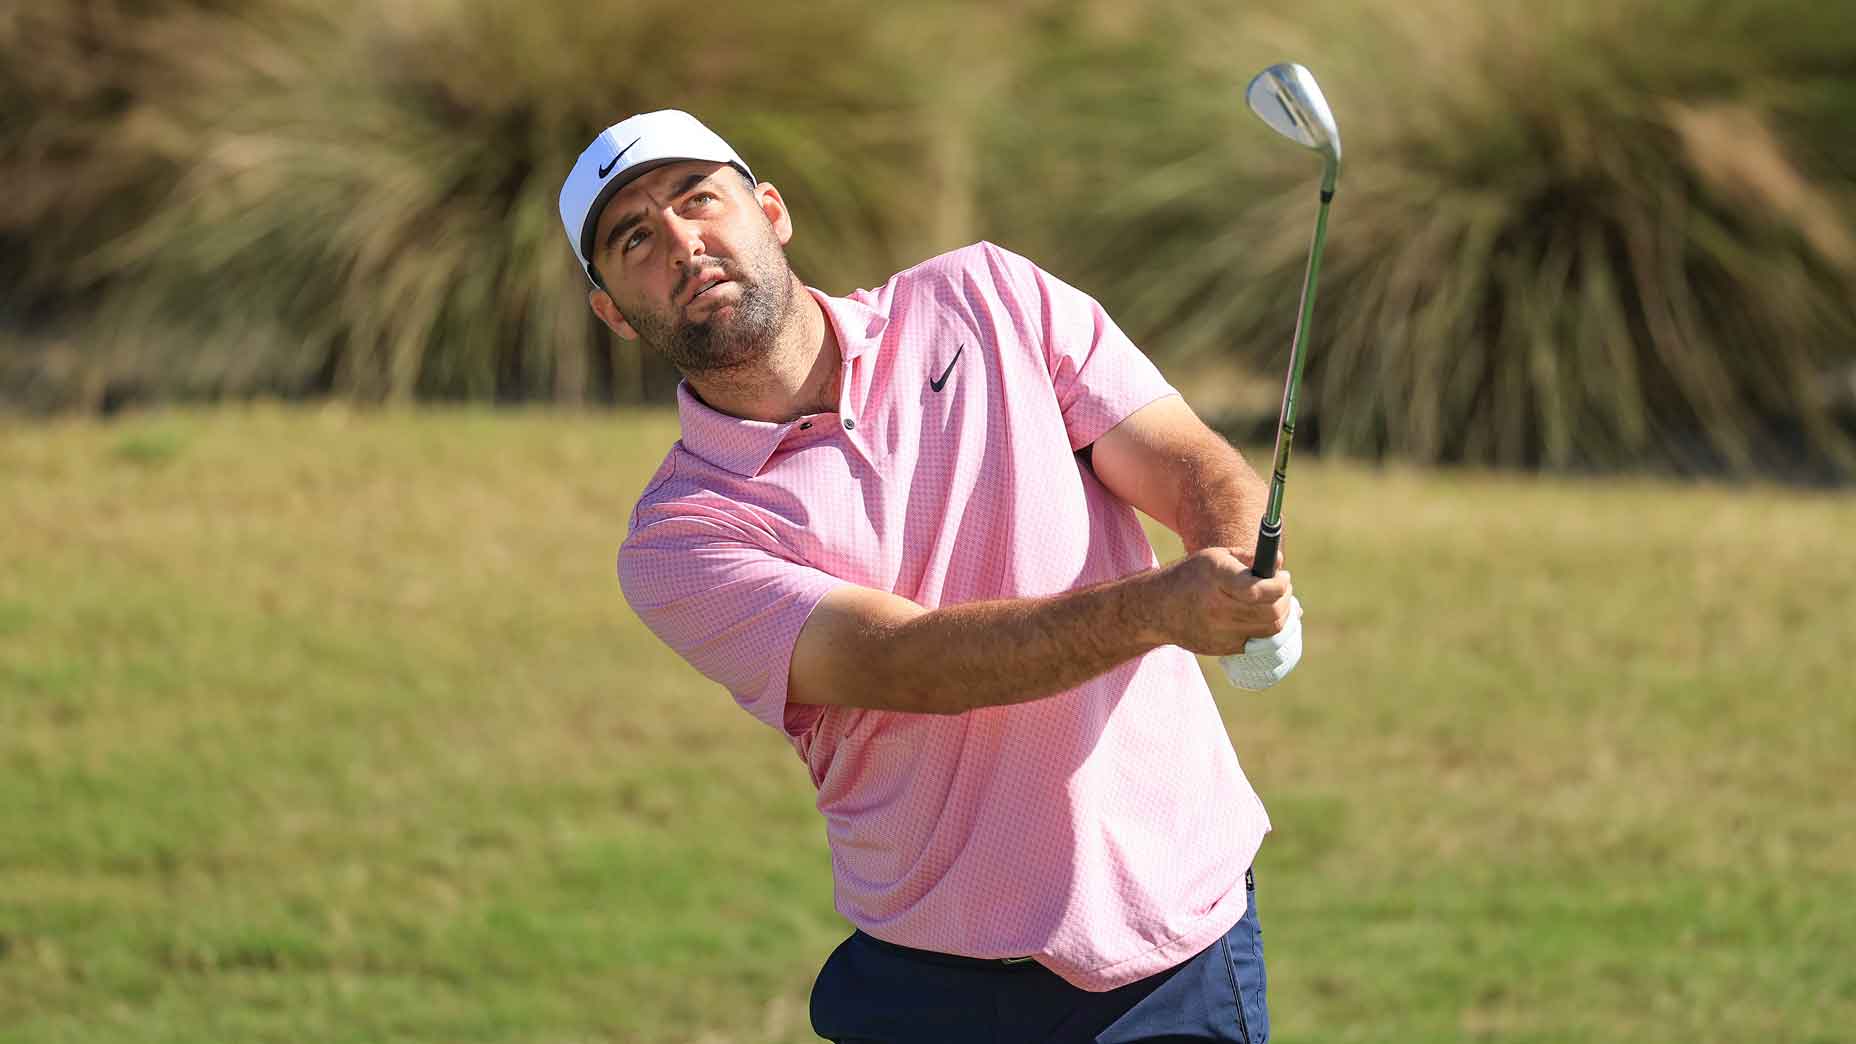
(868, 648)
(988, 654)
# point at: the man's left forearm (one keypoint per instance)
(1221, 501)
(1165, 461)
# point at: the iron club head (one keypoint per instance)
(1287, 98)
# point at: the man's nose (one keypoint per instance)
(686, 240)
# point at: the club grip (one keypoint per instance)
(1268, 540)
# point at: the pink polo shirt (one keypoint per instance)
(1104, 830)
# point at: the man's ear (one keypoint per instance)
(775, 208)
(608, 312)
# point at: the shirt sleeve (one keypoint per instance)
(726, 603)
(1099, 376)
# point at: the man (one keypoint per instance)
(899, 528)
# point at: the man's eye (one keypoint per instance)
(632, 240)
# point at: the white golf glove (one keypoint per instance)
(1266, 661)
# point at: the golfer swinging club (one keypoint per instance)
(900, 528)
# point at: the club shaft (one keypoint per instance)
(1269, 534)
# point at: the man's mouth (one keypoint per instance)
(704, 284)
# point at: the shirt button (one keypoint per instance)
(849, 424)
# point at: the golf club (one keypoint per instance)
(1287, 98)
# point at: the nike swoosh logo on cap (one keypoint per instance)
(938, 383)
(607, 169)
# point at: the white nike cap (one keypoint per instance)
(622, 152)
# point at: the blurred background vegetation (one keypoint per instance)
(328, 724)
(1576, 235)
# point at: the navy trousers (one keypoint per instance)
(873, 992)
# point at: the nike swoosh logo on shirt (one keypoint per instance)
(607, 169)
(941, 382)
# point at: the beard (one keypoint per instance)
(733, 337)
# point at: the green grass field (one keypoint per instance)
(317, 725)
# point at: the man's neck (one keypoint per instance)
(798, 377)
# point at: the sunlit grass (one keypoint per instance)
(317, 724)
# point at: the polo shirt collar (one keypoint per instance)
(743, 446)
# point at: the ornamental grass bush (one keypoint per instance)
(1578, 235)
(361, 199)
(1584, 235)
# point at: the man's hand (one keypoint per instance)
(1208, 602)
(1266, 661)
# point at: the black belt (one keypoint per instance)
(953, 960)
